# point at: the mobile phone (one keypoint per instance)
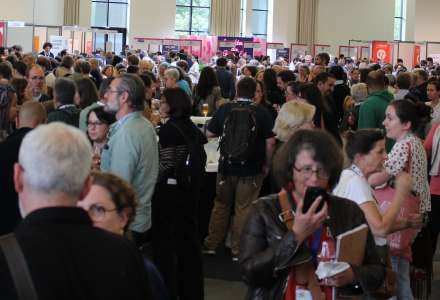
(311, 194)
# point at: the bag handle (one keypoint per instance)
(18, 268)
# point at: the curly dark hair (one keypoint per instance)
(322, 146)
(122, 194)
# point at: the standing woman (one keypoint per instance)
(8, 110)
(207, 92)
(260, 99)
(272, 92)
(402, 119)
(176, 245)
(323, 118)
(98, 124)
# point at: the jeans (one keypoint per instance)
(402, 267)
(235, 191)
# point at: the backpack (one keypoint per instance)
(190, 171)
(238, 141)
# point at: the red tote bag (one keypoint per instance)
(400, 242)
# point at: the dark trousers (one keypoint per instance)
(176, 245)
(434, 221)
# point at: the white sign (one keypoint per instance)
(435, 58)
(58, 43)
(275, 46)
(251, 45)
(171, 42)
(15, 24)
(226, 44)
(185, 43)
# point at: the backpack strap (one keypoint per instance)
(18, 268)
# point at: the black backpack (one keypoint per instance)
(238, 141)
(190, 171)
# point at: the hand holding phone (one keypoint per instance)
(306, 221)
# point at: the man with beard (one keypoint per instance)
(132, 151)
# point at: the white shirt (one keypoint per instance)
(354, 186)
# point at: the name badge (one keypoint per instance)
(172, 181)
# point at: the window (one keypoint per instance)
(400, 20)
(109, 13)
(192, 17)
(259, 18)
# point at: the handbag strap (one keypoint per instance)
(287, 214)
(18, 268)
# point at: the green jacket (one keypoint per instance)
(132, 154)
(372, 112)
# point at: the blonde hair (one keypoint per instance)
(291, 117)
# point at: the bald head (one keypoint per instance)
(31, 114)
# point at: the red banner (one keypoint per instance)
(2, 32)
(382, 52)
(416, 60)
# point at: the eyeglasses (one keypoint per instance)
(37, 78)
(112, 91)
(308, 171)
(97, 212)
(93, 124)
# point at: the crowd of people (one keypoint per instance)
(102, 170)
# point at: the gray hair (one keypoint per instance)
(56, 158)
(134, 86)
(173, 73)
(359, 92)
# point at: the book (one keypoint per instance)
(350, 248)
(350, 245)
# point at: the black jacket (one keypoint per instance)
(9, 213)
(68, 115)
(68, 258)
(227, 83)
(268, 251)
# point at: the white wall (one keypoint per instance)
(427, 21)
(285, 17)
(339, 21)
(152, 18)
(47, 12)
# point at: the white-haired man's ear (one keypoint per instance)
(86, 188)
(18, 178)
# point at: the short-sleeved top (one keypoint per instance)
(397, 161)
(265, 124)
(354, 186)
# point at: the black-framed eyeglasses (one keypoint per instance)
(97, 212)
(308, 171)
(92, 124)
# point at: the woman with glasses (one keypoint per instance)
(111, 204)
(98, 124)
(280, 248)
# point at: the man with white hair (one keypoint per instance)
(64, 255)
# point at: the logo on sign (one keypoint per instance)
(381, 54)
